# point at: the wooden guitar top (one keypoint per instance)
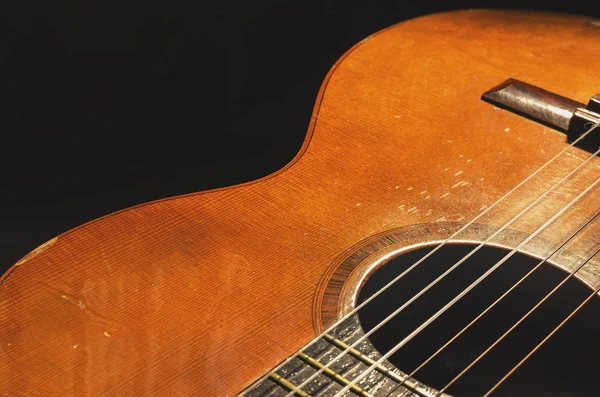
(204, 293)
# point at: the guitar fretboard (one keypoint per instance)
(386, 380)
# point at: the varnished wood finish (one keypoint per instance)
(205, 293)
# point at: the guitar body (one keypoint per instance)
(205, 293)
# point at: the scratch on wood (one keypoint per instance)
(77, 302)
(37, 251)
(83, 306)
(459, 184)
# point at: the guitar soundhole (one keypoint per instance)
(565, 365)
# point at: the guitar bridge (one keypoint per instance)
(553, 110)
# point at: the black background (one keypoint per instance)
(109, 104)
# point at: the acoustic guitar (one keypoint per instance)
(437, 234)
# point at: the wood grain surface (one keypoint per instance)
(205, 293)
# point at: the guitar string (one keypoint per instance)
(565, 242)
(406, 304)
(439, 278)
(486, 351)
(594, 293)
(464, 292)
(426, 256)
(471, 286)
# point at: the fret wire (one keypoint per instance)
(430, 253)
(565, 242)
(464, 292)
(518, 322)
(414, 333)
(287, 384)
(406, 382)
(364, 358)
(336, 376)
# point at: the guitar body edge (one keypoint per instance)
(204, 293)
